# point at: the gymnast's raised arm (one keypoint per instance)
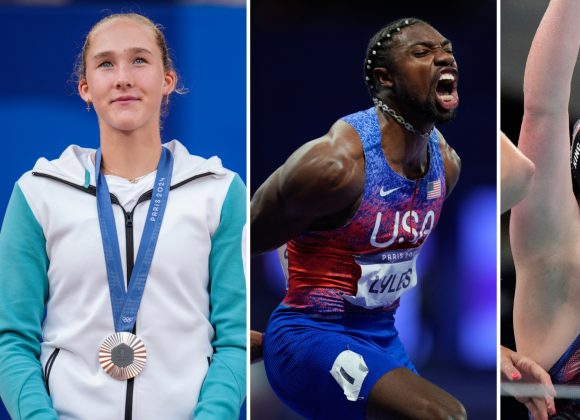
(548, 217)
(545, 226)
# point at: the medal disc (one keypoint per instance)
(123, 355)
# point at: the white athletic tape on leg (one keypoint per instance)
(349, 370)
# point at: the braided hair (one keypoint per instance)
(378, 50)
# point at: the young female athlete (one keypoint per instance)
(545, 226)
(134, 250)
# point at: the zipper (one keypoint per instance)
(91, 189)
(130, 253)
(48, 368)
(130, 264)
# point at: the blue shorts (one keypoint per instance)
(299, 351)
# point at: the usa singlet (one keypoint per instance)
(369, 263)
(333, 337)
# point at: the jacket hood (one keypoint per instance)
(69, 168)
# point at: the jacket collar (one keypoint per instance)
(69, 168)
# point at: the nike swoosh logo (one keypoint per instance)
(383, 193)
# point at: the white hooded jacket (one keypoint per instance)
(193, 305)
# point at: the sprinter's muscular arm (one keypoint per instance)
(319, 187)
(451, 164)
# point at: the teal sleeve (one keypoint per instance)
(23, 292)
(224, 388)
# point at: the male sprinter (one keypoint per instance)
(355, 208)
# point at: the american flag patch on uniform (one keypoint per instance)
(434, 190)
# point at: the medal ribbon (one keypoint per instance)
(126, 304)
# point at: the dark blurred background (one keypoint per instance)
(519, 21)
(41, 114)
(307, 72)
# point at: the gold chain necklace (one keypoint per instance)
(132, 181)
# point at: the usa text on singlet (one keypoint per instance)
(366, 265)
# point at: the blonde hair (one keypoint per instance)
(81, 63)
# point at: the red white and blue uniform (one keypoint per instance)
(566, 371)
(344, 285)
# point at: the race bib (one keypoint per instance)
(385, 276)
(283, 256)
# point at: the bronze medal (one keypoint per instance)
(123, 355)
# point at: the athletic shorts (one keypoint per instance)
(300, 350)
